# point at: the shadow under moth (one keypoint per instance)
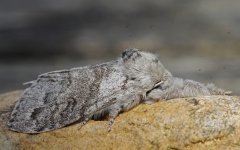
(60, 98)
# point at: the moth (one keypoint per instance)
(60, 98)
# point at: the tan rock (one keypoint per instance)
(211, 122)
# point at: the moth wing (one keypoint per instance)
(60, 98)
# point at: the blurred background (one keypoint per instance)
(199, 40)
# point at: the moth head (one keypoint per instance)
(143, 67)
(160, 89)
(167, 80)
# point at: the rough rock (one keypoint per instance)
(211, 122)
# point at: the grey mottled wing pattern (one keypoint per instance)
(59, 98)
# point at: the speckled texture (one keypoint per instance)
(210, 122)
(60, 98)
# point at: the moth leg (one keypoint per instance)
(83, 123)
(113, 113)
(125, 104)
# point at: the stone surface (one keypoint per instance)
(211, 122)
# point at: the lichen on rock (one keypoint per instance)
(210, 122)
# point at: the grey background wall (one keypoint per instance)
(199, 40)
